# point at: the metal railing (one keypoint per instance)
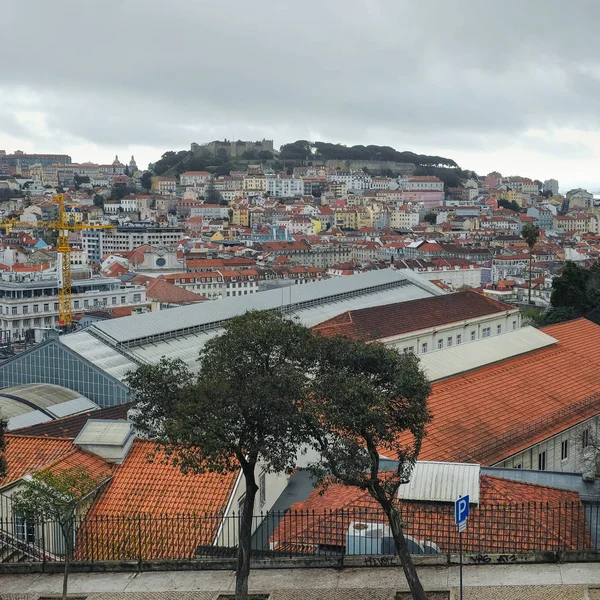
(504, 528)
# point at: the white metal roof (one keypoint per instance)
(99, 354)
(442, 482)
(102, 351)
(473, 355)
(105, 433)
(135, 327)
(27, 419)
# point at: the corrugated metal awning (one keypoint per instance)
(442, 482)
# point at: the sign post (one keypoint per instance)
(461, 514)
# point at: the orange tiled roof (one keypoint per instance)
(26, 454)
(155, 489)
(491, 413)
(323, 519)
(96, 467)
(390, 320)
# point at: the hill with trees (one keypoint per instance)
(304, 152)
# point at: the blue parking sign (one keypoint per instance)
(461, 510)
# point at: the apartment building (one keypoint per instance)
(29, 299)
(221, 283)
(284, 186)
(100, 242)
(194, 178)
(209, 211)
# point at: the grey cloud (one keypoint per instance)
(144, 72)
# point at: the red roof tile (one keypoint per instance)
(390, 320)
(155, 489)
(323, 519)
(489, 414)
(26, 454)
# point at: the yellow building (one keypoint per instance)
(255, 183)
(163, 185)
(513, 196)
(240, 216)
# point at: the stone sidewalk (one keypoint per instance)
(551, 592)
(481, 582)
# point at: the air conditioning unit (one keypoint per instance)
(369, 538)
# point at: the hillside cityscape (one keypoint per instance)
(300, 302)
(489, 282)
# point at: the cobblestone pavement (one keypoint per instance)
(346, 594)
(534, 592)
(548, 592)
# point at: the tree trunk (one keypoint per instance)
(245, 536)
(414, 583)
(67, 532)
(65, 577)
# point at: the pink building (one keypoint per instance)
(429, 198)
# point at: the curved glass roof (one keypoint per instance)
(33, 403)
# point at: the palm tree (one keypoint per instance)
(530, 234)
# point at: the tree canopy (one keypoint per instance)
(367, 400)
(212, 195)
(512, 205)
(241, 409)
(575, 293)
(303, 149)
(146, 180)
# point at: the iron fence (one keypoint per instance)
(506, 528)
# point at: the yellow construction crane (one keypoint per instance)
(63, 226)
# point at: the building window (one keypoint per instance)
(472, 336)
(564, 450)
(122, 299)
(75, 303)
(486, 332)
(37, 322)
(585, 438)
(542, 461)
(137, 297)
(86, 303)
(440, 344)
(46, 308)
(262, 486)
(499, 329)
(519, 466)
(458, 339)
(25, 529)
(514, 325)
(449, 342)
(14, 310)
(25, 310)
(36, 308)
(424, 348)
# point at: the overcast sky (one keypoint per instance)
(512, 86)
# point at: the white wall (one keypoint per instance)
(414, 341)
(275, 484)
(528, 459)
